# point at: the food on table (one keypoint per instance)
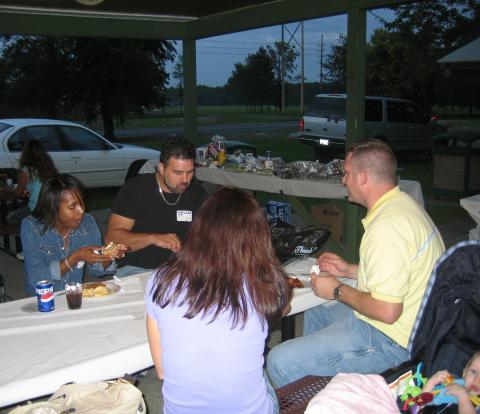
(111, 249)
(294, 282)
(95, 289)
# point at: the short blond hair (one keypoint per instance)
(376, 157)
(470, 361)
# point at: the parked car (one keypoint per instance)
(396, 121)
(75, 150)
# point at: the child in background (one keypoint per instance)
(471, 376)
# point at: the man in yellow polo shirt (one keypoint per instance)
(367, 329)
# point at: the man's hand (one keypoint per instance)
(168, 241)
(323, 286)
(335, 265)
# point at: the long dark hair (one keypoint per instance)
(46, 210)
(36, 160)
(227, 257)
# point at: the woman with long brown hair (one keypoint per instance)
(209, 309)
(35, 167)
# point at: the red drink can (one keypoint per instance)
(45, 296)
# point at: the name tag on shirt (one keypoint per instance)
(184, 215)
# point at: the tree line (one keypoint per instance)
(112, 78)
(106, 78)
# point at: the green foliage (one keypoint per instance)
(254, 82)
(402, 56)
(107, 77)
(36, 72)
(257, 81)
(115, 76)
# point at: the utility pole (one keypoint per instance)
(292, 38)
(321, 63)
(282, 72)
(303, 71)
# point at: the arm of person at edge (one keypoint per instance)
(153, 334)
(362, 302)
(119, 231)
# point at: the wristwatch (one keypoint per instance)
(337, 293)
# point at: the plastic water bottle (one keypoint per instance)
(268, 161)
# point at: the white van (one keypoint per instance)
(396, 121)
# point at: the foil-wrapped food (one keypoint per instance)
(312, 170)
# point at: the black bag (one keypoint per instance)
(3, 296)
(290, 241)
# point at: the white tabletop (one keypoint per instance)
(104, 339)
(272, 184)
(304, 298)
(331, 188)
(472, 205)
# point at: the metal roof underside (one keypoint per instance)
(176, 20)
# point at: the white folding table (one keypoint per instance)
(104, 339)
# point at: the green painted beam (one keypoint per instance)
(72, 23)
(190, 89)
(83, 26)
(356, 59)
(276, 13)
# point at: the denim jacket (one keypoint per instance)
(44, 252)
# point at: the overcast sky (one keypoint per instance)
(216, 56)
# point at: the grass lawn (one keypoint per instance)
(208, 115)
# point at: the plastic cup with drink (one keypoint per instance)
(73, 291)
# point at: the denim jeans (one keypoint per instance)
(272, 394)
(334, 341)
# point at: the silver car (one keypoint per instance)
(396, 121)
(75, 150)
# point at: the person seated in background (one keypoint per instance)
(367, 330)
(463, 393)
(224, 288)
(153, 212)
(35, 167)
(59, 237)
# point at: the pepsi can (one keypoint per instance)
(45, 298)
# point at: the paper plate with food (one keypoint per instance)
(100, 289)
(299, 281)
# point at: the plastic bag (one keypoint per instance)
(290, 241)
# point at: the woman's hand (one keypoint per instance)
(90, 254)
(118, 252)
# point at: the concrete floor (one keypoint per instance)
(12, 271)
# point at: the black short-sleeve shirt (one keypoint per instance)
(139, 199)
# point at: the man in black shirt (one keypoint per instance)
(153, 212)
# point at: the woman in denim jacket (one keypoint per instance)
(59, 237)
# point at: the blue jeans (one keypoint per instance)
(335, 341)
(272, 394)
